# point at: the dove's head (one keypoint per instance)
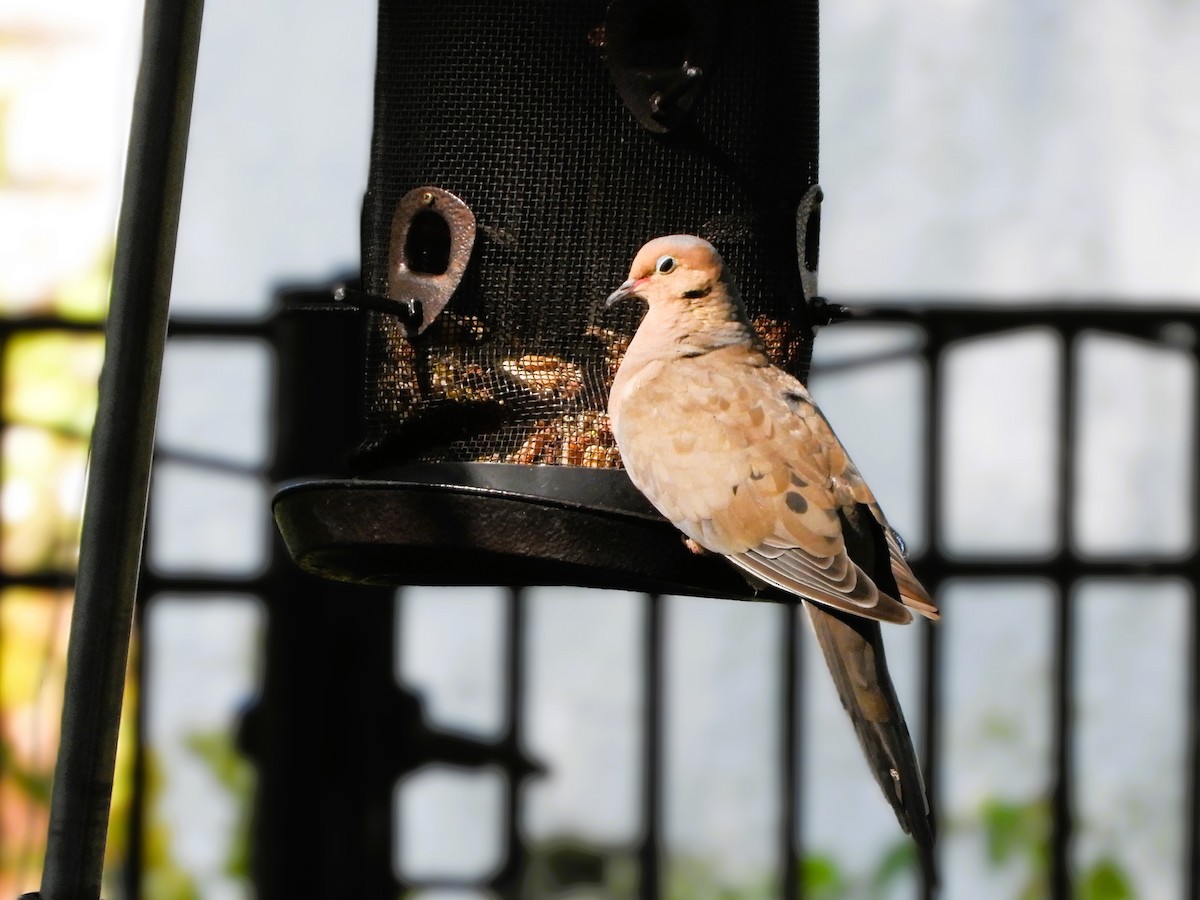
(677, 269)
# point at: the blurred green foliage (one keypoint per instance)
(822, 878)
(50, 380)
(1011, 834)
(236, 776)
(1106, 881)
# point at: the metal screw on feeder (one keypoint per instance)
(662, 102)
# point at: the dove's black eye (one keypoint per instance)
(665, 264)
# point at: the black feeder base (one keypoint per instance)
(492, 523)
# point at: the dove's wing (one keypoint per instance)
(868, 541)
(735, 455)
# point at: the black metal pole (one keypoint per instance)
(122, 446)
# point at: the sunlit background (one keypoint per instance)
(971, 152)
(66, 76)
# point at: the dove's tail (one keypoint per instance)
(853, 648)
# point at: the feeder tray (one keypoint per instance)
(491, 523)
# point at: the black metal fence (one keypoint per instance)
(332, 731)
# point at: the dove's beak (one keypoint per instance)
(628, 289)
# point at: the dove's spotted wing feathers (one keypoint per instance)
(836, 488)
(734, 453)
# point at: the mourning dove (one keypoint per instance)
(734, 452)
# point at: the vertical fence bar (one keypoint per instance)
(790, 839)
(122, 442)
(1063, 738)
(512, 873)
(931, 574)
(930, 728)
(1191, 849)
(649, 852)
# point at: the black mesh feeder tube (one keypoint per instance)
(522, 153)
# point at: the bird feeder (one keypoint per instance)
(522, 152)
